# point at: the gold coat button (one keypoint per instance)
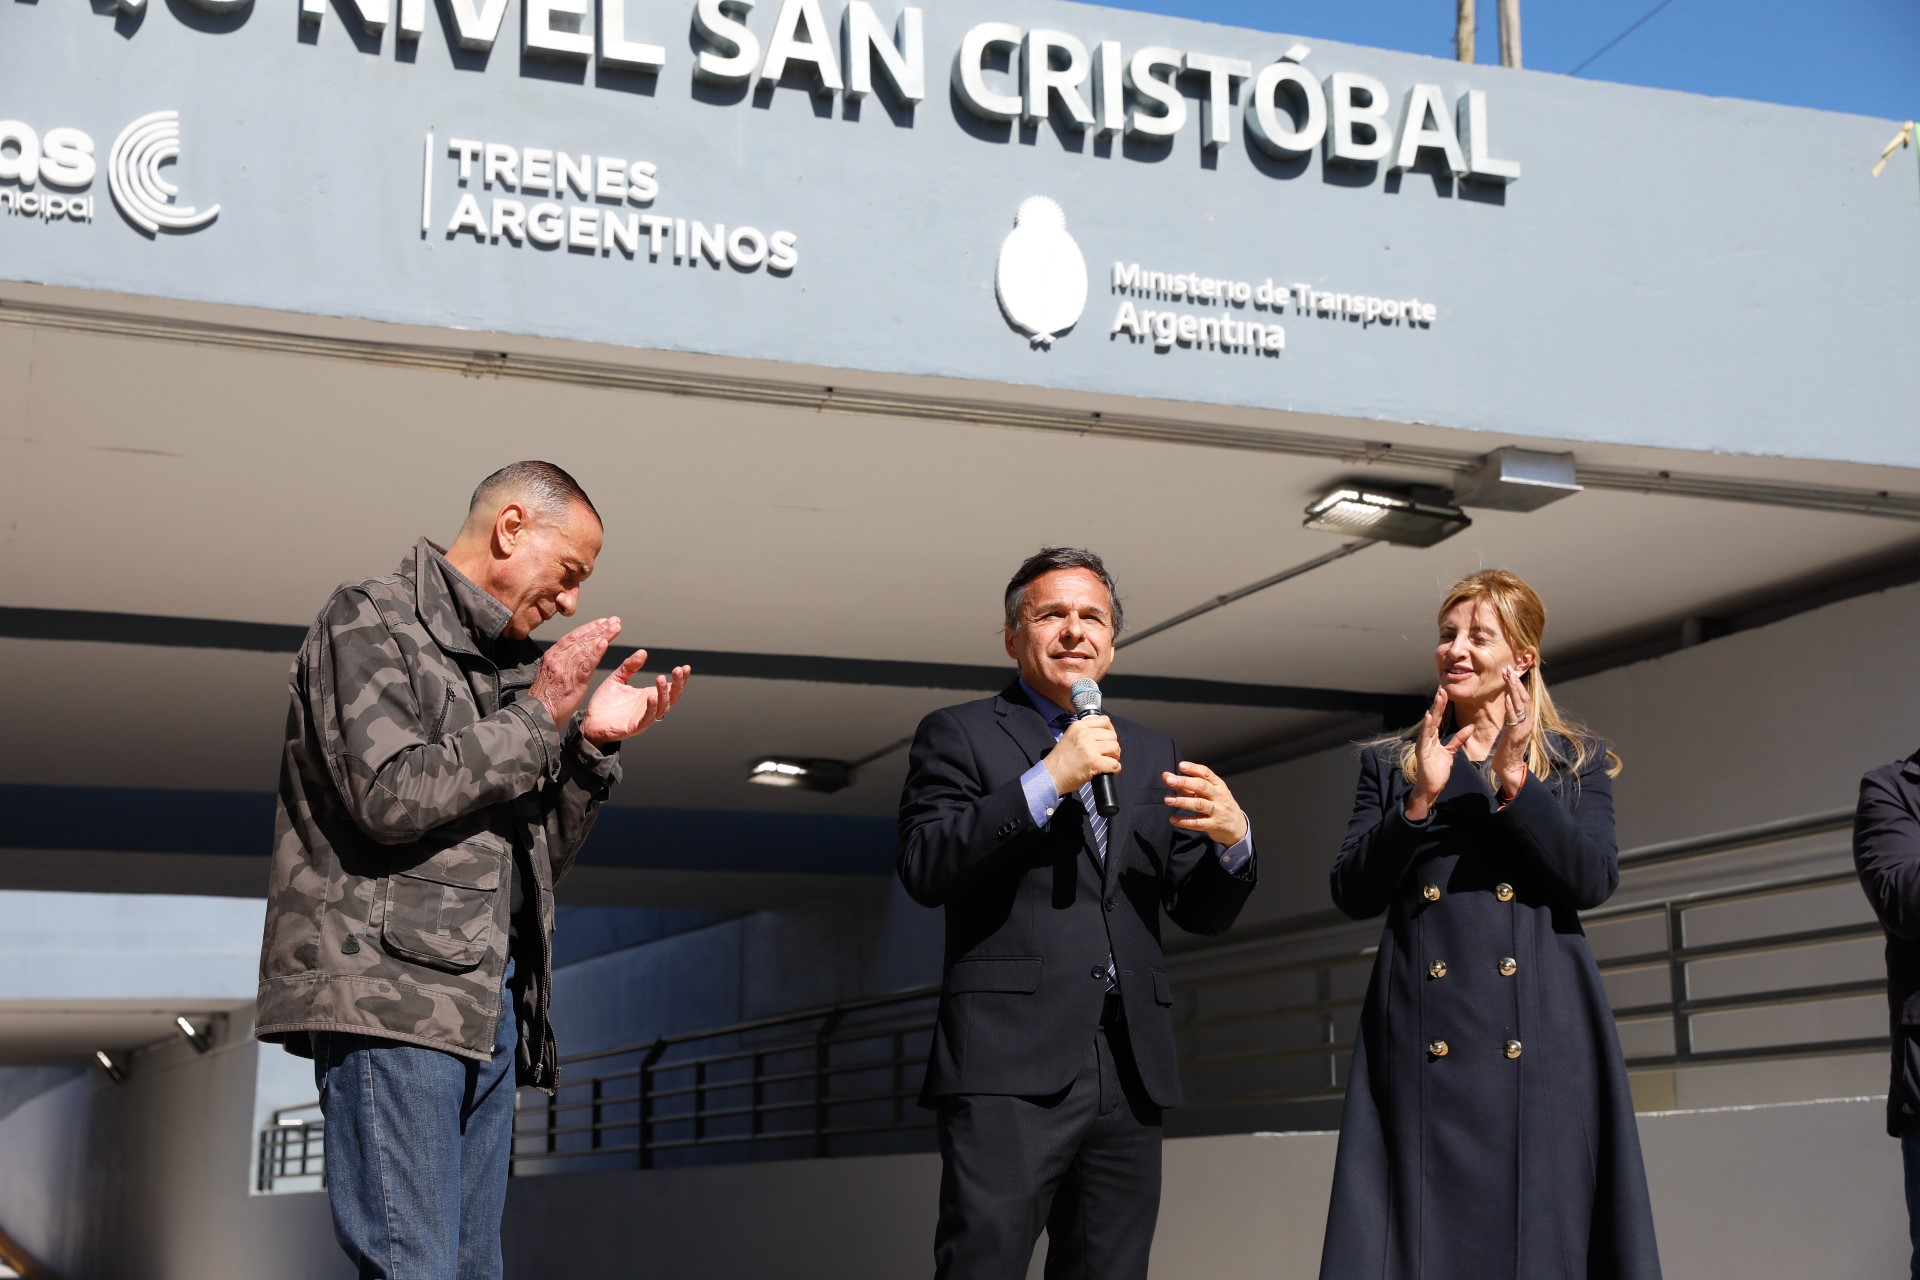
(1513, 1048)
(1504, 892)
(1438, 1048)
(1438, 969)
(1431, 893)
(1509, 967)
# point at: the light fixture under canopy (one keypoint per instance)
(802, 774)
(1408, 520)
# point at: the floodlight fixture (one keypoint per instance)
(801, 774)
(116, 1070)
(198, 1039)
(1409, 520)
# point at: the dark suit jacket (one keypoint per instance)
(1886, 852)
(1031, 913)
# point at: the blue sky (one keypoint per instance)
(1859, 56)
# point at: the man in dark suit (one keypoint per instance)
(1054, 1051)
(1886, 852)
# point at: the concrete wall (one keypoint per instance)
(863, 939)
(1731, 1192)
(59, 947)
(1768, 724)
(148, 1179)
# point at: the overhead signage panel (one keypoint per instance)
(1049, 193)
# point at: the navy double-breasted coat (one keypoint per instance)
(1488, 1132)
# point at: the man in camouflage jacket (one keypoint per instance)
(434, 785)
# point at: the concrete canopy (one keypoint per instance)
(300, 306)
(234, 466)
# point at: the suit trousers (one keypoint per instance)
(1084, 1163)
(1910, 1163)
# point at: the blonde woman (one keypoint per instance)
(1488, 1132)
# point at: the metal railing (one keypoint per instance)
(1257, 1031)
(1294, 1030)
(800, 1083)
(292, 1146)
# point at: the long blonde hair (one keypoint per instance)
(1523, 620)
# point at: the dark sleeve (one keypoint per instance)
(1202, 896)
(953, 829)
(1886, 853)
(1379, 847)
(395, 781)
(569, 804)
(1205, 897)
(1576, 849)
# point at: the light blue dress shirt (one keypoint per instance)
(1043, 799)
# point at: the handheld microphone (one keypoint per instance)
(1085, 695)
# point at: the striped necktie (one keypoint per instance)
(1099, 824)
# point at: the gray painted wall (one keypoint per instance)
(1669, 270)
(73, 947)
(148, 1180)
(1763, 725)
(868, 938)
(1731, 1193)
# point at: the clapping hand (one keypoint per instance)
(621, 709)
(1433, 759)
(1510, 750)
(567, 667)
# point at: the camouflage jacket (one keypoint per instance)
(415, 769)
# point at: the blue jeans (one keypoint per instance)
(417, 1145)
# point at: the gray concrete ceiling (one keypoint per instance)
(178, 479)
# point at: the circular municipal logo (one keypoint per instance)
(143, 194)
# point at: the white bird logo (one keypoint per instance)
(1042, 279)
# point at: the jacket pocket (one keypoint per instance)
(440, 913)
(1162, 989)
(1019, 975)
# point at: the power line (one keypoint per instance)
(1595, 55)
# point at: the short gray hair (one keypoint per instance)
(1050, 560)
(547, 489)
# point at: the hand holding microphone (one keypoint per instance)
(1089, 750)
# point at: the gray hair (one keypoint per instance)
(546, 489)
(1050, 560)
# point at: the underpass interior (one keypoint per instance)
(189, 482)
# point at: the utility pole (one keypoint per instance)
(1509, 33)
(1463, 30)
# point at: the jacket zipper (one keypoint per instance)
(440, 721)
(546, 1070)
